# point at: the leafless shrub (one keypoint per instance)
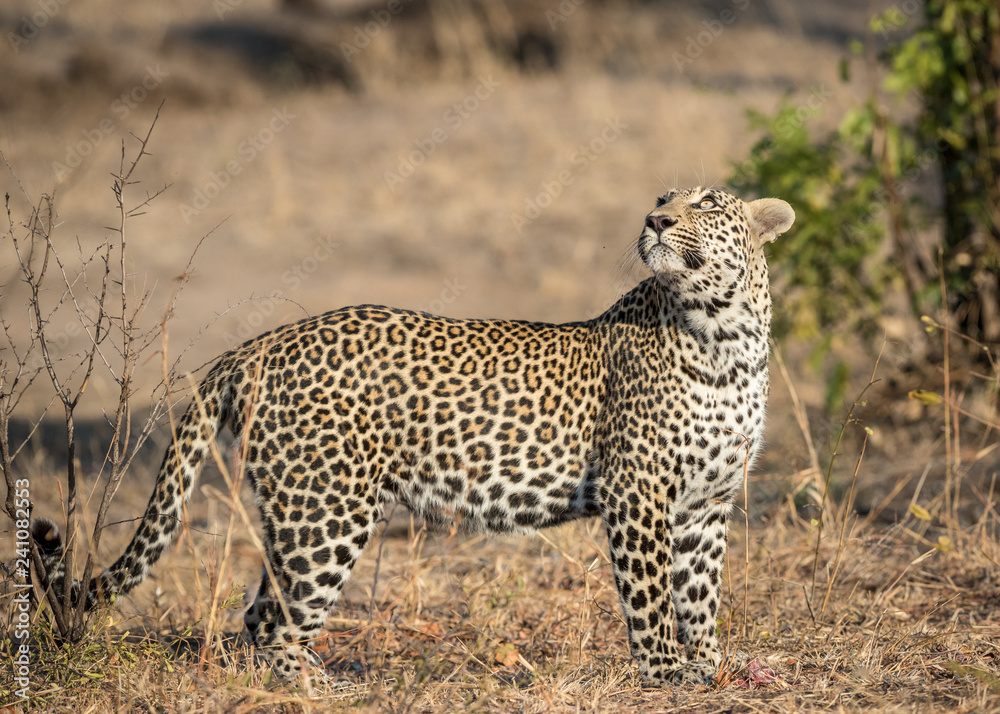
(95, 290)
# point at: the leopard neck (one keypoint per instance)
(717, 331)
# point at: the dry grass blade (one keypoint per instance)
(848, 420)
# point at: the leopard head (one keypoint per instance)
(702, 240)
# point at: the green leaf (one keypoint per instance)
(952, 137)
(836, 385)
(920, 512)
(925, 397)
(948, 18)
(983, 676)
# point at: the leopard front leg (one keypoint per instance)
(699, 551)
(641, 553)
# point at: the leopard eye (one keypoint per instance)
(707, 203)
(661, 201)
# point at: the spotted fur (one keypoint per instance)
(645, 416)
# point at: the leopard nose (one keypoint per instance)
(660, 223)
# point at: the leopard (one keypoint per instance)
(647, 416)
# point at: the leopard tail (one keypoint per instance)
(161, 523)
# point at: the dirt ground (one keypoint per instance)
(489, 159)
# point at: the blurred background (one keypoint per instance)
(496, 159)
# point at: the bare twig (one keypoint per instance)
(849, 419)
(109, 313)
(846, 513)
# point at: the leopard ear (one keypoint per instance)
(769, 218)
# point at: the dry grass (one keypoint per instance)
(903, 615)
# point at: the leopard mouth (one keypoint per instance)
(662, 255)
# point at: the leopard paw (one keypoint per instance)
(688, 673)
